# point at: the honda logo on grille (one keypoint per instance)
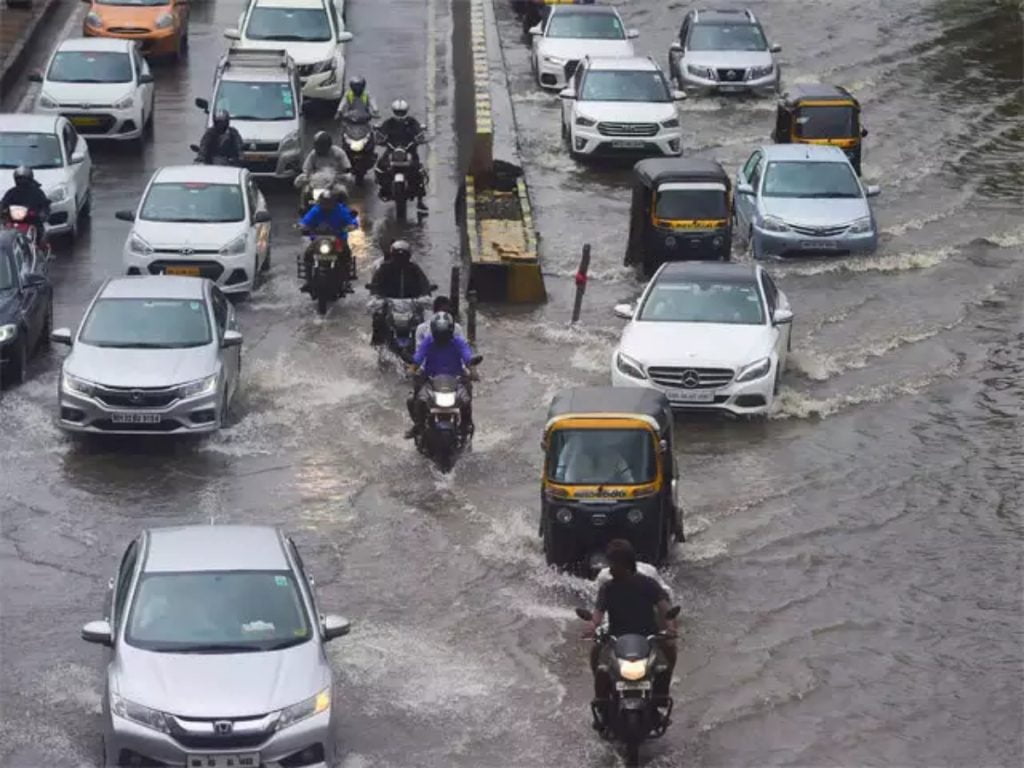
(690, 379)
(223, 727)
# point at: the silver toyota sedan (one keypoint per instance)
(154, 355)
(217, 653)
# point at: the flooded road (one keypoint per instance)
(851, 587)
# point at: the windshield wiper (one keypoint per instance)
(132, 345)
(290, 642)
(213, 648)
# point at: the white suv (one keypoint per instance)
(616, 106)
(311, 31)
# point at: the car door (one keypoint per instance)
(32, 299)
(744, 203)
(774, 300)
(146, 90)
(231, 358)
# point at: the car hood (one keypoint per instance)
(303, 53)
(698, 344)
(140, 367)
(568, 48)
(130, 15)
(163, 235)
(264, 130)
(728, 59)
(95, 94)
(627, 111)
(825, 211)
(48, 178)
(209, 685)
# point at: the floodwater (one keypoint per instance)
(851, 587)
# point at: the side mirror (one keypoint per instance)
(98, 632)
(203, 104)
(567, 93)
(863, 132)
(537, 30)
(584, 614)
(260, 217)
(476, 360)
(35, 77)
(678, 95)
(873, 190)
(625, 311)
(774, 48)
(632, 34)
(672, 612)
(125, 215)
(676, 48)
(33, 280)
(61, 336)
(78, 156)
(145, 78)
(194, 148)
(231, 33)
(335, 626)
(345, 37)
(744, 189)
(231, 339)
(782, 316)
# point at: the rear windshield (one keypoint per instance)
(147, 324)
(592, 26)
(686, 204)
(826, 123)
(601, 456)
(90, 67)
(193, 202)
(256, 101)
(308, 25)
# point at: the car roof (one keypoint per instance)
(210, 174)
(724, 16)
(624, 63)
(821, 91)
(215, 548)
(119, 45)
(819, 152)
(289, 3)
(658, 169)
(28, 121)
(154, 287)
(726, 272)
(612, 400)
(244, 74)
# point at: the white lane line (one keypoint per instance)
(431, 105)
(74, 20)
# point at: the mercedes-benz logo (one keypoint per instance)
(223, 727)
(690, 378)
(135, 396)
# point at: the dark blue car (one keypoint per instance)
(26, 305)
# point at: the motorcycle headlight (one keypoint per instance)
(706, 72)
(314, 705)
(289, 142)
(236, 247)
(137, 245)
(74, 385)
(556, 60)
(358, 144)
(58, 194)
(757, 72)
(325, 248)
(672, 123)
(861, 225)
(137, 713)
(629, 366)
(165, 21)
(755, 370)
(444, 399)
(586, 122)
(93, 20)
(126, 103)
(8, 332)
(205, 386)
(633, 670)
(774, 224)
(46, 102)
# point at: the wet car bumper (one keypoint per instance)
(282, 165)
(103, 122)
(81, 413)
(62, 216)
(589, 141)
(704, 86)
(769, 243)
(232, 274)
(152, 42)
(747, 398)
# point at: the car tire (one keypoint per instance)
(86, 210)
(778, 382)
(14, 371)
(225, 410)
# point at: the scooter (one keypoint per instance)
(358, 142)
(443, 437)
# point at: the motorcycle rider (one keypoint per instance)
(399, 277)
(442, 353)
(27, 192)
(635, 604)
(329, 213)
(357, 104)
(325, 159)
(401, 130)
(221, 141)
(441, 304)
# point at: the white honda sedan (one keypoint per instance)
(203, 221)
(711, 336)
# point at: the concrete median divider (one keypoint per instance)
(19, 31)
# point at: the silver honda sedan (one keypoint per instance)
(154, 355)
(217, 653)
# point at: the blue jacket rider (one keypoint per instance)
(330, 212)
(441, 353)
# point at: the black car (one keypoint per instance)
(26, 305)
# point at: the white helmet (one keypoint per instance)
(400, 107)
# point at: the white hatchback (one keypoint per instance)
(711, 336)
(103, 85)
(203, 221)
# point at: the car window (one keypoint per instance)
(748, 167)
(595, 456)
(124, 581)
(220, 311)
(193, 202)
(254, 197)
(684, 29)
(303, 574)
(90, 67)
(140, 67)
(755, 177)
(703, 301)
(70, 141)
(771, 293)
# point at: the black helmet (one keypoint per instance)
(442, 327)
(401, 252)
(400, 107)
(357, 85)
(221, 120)
(322, 142)
(23, 174)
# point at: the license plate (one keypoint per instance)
(135, 418)
(628, 144)
(186, 271)
(85, 120)
(257, 156)
(818, 245)
(731, 88)
(643, 685)
(250, 760)
(692, 396)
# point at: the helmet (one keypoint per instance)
(322, 142)
(400, 107)
(221, 120)
(23, 174)
(357, 85)
(442, 327)
(326, 197)
(400, 251)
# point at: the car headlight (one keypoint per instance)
(563, 515)
(774, 224)
(236, 247)
(861, 225)
(629, 366)
(58, 194)
(314, 705)
(706, 72)
(755, 370)
(633, 670)
(756, 72)
(165, 21)
(137, 245)
(586, 122)
(46, 102)
(671, 123)
(556, 60)
(290, 142)
(324, 66)
(444, 399)
(77, 386)
(129, 710)
(126, 103)
(205, 386)
(93, 20)
(8, 332)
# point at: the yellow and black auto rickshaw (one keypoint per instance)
(680, 211)
(820, 114)
(609, 473)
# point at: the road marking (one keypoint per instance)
(431, 105)
(74, 20)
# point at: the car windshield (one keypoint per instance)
(624, 85)
(36, 150)
(193, 202)
(704, 301)
(147, 324)
(217, 612)
(809, 179)
(601, 456)
(723, 37)
(302, 24)
(827, 123)
(593, 26)
(90, 67)
(690, 204)
(256, 101)
(6, 273)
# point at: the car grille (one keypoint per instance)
(166, 425)
(209, 269)
(261, 166)
(137, 398)
(732, 75)
(707, 378)
(819, 231)
(103, 123)
(262, 146)
(627, 129)
(129, 30)
(240, 741)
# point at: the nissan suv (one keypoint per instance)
(724, 51)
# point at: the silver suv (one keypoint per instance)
(262, 93)
(724, 51)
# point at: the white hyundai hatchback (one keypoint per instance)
(202, 221)
(711, 336)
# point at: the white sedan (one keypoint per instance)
(102, 85)
(711, 336)
(203, 221)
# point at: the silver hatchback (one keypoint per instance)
(217, 653)
(153, 355)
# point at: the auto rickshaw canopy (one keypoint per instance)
(612, 403)
(659, 170)
(808, 93)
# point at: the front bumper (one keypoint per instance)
(103, 122)
(667, 142)
(194, 415)
(62, 216)
(152, 42)
(232, 274)
(313, 733)
(748, 398)
(279, 165)
(692, 84)
(324, 86)
(551, 75)
(792, 243)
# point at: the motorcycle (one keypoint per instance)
(311, 188)
(358, 142)
(22, 219)
(327, 267)
(443, 437)
(632, 717)
(401, 317)
(217, 160)
(401, 178)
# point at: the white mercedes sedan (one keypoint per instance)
(711, 336)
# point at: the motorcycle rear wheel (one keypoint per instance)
(400, 206)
